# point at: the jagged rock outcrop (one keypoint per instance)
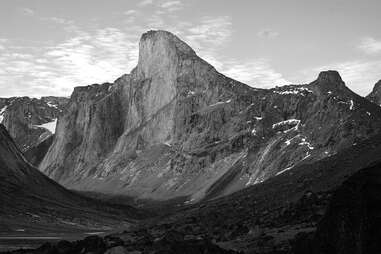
(176, 127)
(30, 120)
(375, 95)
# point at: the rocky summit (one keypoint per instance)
(30, 121)
(176, 127)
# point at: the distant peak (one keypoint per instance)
(377, 86)
(330, 80)
(330, 77)
(375, 95)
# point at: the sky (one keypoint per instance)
(47, 47)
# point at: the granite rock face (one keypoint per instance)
(30, 120)
(175, 127)
(375, 95)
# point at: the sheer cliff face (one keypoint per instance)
(177, 127)
(28, 119)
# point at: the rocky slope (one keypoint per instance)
(335, 196)
(31, 202)
(30, 120)
(375, 95)
(175, 127)
(352, 222)
(323, 207)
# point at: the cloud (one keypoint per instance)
(171, 6)
(130, 12)
(209, 37)
(57, 20)
(2, 43)
(103, 54)
(27, 12)
(210, 32)
(84, 59)
(370, 45)
(257, 73)
(268, 34)
(145, 3)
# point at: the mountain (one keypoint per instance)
(329, 206)
(176, 127)
(30, 202)
(375, 95)
(30, 120)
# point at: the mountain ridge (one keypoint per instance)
(176, 127)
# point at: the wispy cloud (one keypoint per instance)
(105, 53)
(130, 12)
(256, 73)
(145, 3)
(370, 45)
(171, 6)
(27, 12)
(211, 31)
(2, 43)
(267, 33)
(82, 60)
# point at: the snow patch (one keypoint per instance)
(50, 104)
(220, 102)
(2, 111)
(352, 105)
(308, 144)
(51, 126)
(295, 90)
(307, 156)
(294, 122)
(284, 170)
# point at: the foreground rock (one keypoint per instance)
(98, 245)
(175, 127)
(352, 222)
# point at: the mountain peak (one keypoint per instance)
(330, 76)
(375, 95)
(167, 38)
(160, 52)
(330, 80)
(377, 86)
